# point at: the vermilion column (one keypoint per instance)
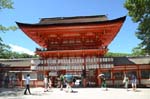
(139, 74)
(98, 78)
(84, 73)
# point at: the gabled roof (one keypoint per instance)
(64, 21)
(16, 62)
(131, 60)
(76, 19)
(73, 33)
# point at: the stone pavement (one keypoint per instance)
(79, 93)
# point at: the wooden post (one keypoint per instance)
(98, 72)
(112, 76)
(139, 74)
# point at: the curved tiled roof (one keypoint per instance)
(16, 62)
(131, 60)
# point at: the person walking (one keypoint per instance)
(61, 81)
(27, 81)
(68, 82)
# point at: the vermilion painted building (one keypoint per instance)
(73, 45)
(77, 45)
(19, 68)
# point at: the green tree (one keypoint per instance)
(137, 51)
(139, 10)
(5, 4)
(7, 54)
(3, 49)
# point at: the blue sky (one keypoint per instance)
(30, 11)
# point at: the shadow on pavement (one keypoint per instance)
(137, 91)
(74, 92)
(10, 91)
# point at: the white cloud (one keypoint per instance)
(20, 49)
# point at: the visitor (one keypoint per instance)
(61, 81)
(6, 81)
(69, 82)
(50, 83)
(45, 83)
(13, 81)
(126, 82)
(103, 84)
(133, 81)
(27, 81)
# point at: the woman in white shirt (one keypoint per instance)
(45, 83)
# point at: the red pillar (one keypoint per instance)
(112, 76)
(84, 73)
(139, 74)
(98, 78)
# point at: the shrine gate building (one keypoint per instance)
(74, 45)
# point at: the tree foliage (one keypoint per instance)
(137, 51)
(4, 49)
(3, 28)
(6, 4)
(7, 54)
(139, 10)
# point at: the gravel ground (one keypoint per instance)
(78, 93)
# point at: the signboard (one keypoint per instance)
(33, 76)
(53, 73)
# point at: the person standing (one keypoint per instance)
(50, 83)
(126, 82)
(45, 83)
(6, 81)
(27, 81)
(13, 81)
(103, 80)
(133, 81)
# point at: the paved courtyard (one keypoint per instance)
(79, 93)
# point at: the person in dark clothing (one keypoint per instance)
(61, 81)
(103, 80)
(133, 81)
(6, 81)
(27, 85)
